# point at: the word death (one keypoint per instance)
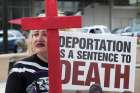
(91, 73)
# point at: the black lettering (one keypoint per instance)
(62, 53)
(75, 41)
(82, 44)
(79, 55)
(127, 47)
(109, 44)
(68, 42)
(102, 45)
(96, 43)
(90, 44)
(62, 41)
(119, 46)
(70, 54)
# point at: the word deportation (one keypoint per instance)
(95, 44)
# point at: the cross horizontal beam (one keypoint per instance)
(52, 23)
(49, 22)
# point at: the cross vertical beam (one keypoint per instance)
(51, 8)
(51, 22)
(53, 40)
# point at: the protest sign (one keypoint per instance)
(87, 59)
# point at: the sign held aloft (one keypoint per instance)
(106, 60)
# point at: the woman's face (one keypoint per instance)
(40, 41)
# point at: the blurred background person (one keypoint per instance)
(95, 88)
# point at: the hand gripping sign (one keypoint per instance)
(52, 23)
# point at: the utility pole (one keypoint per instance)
(5, 25)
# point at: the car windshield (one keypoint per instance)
(16, 33)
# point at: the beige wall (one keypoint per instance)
(3, 68)
(137, 81)
(4, 63)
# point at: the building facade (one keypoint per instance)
(114, 14)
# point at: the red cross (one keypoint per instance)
(52, 23)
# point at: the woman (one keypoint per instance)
(30, 75)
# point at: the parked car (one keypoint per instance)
(96, 29)
(122, 30)
(129, 31)
(117, 31)
(133, 31)
(16, 41)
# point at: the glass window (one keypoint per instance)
(92, 31)
(68, 6)
(17, 12)
(128, 30)
(97, 30)
(104, 2)
(10, 35)
(0, 13)
(121, 2)
(26, 12)
(0, 2)
(19, 3)
(1, 35)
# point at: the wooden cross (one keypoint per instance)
(52, 23)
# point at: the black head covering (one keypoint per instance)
(95, 87)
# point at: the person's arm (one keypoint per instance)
(15, 83)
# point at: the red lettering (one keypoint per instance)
(107, 73)
(120, 75)
(67, 71)
(93, 69)
(93, 74)
(77, 72)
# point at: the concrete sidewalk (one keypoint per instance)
(2, 87)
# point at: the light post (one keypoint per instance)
(5, 25)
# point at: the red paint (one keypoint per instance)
(108, 68)
(94, 75)
(52, 23)
(67, 71)
(124, 76)
(93, 69)
(77, 72)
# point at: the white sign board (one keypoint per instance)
(107, 60)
